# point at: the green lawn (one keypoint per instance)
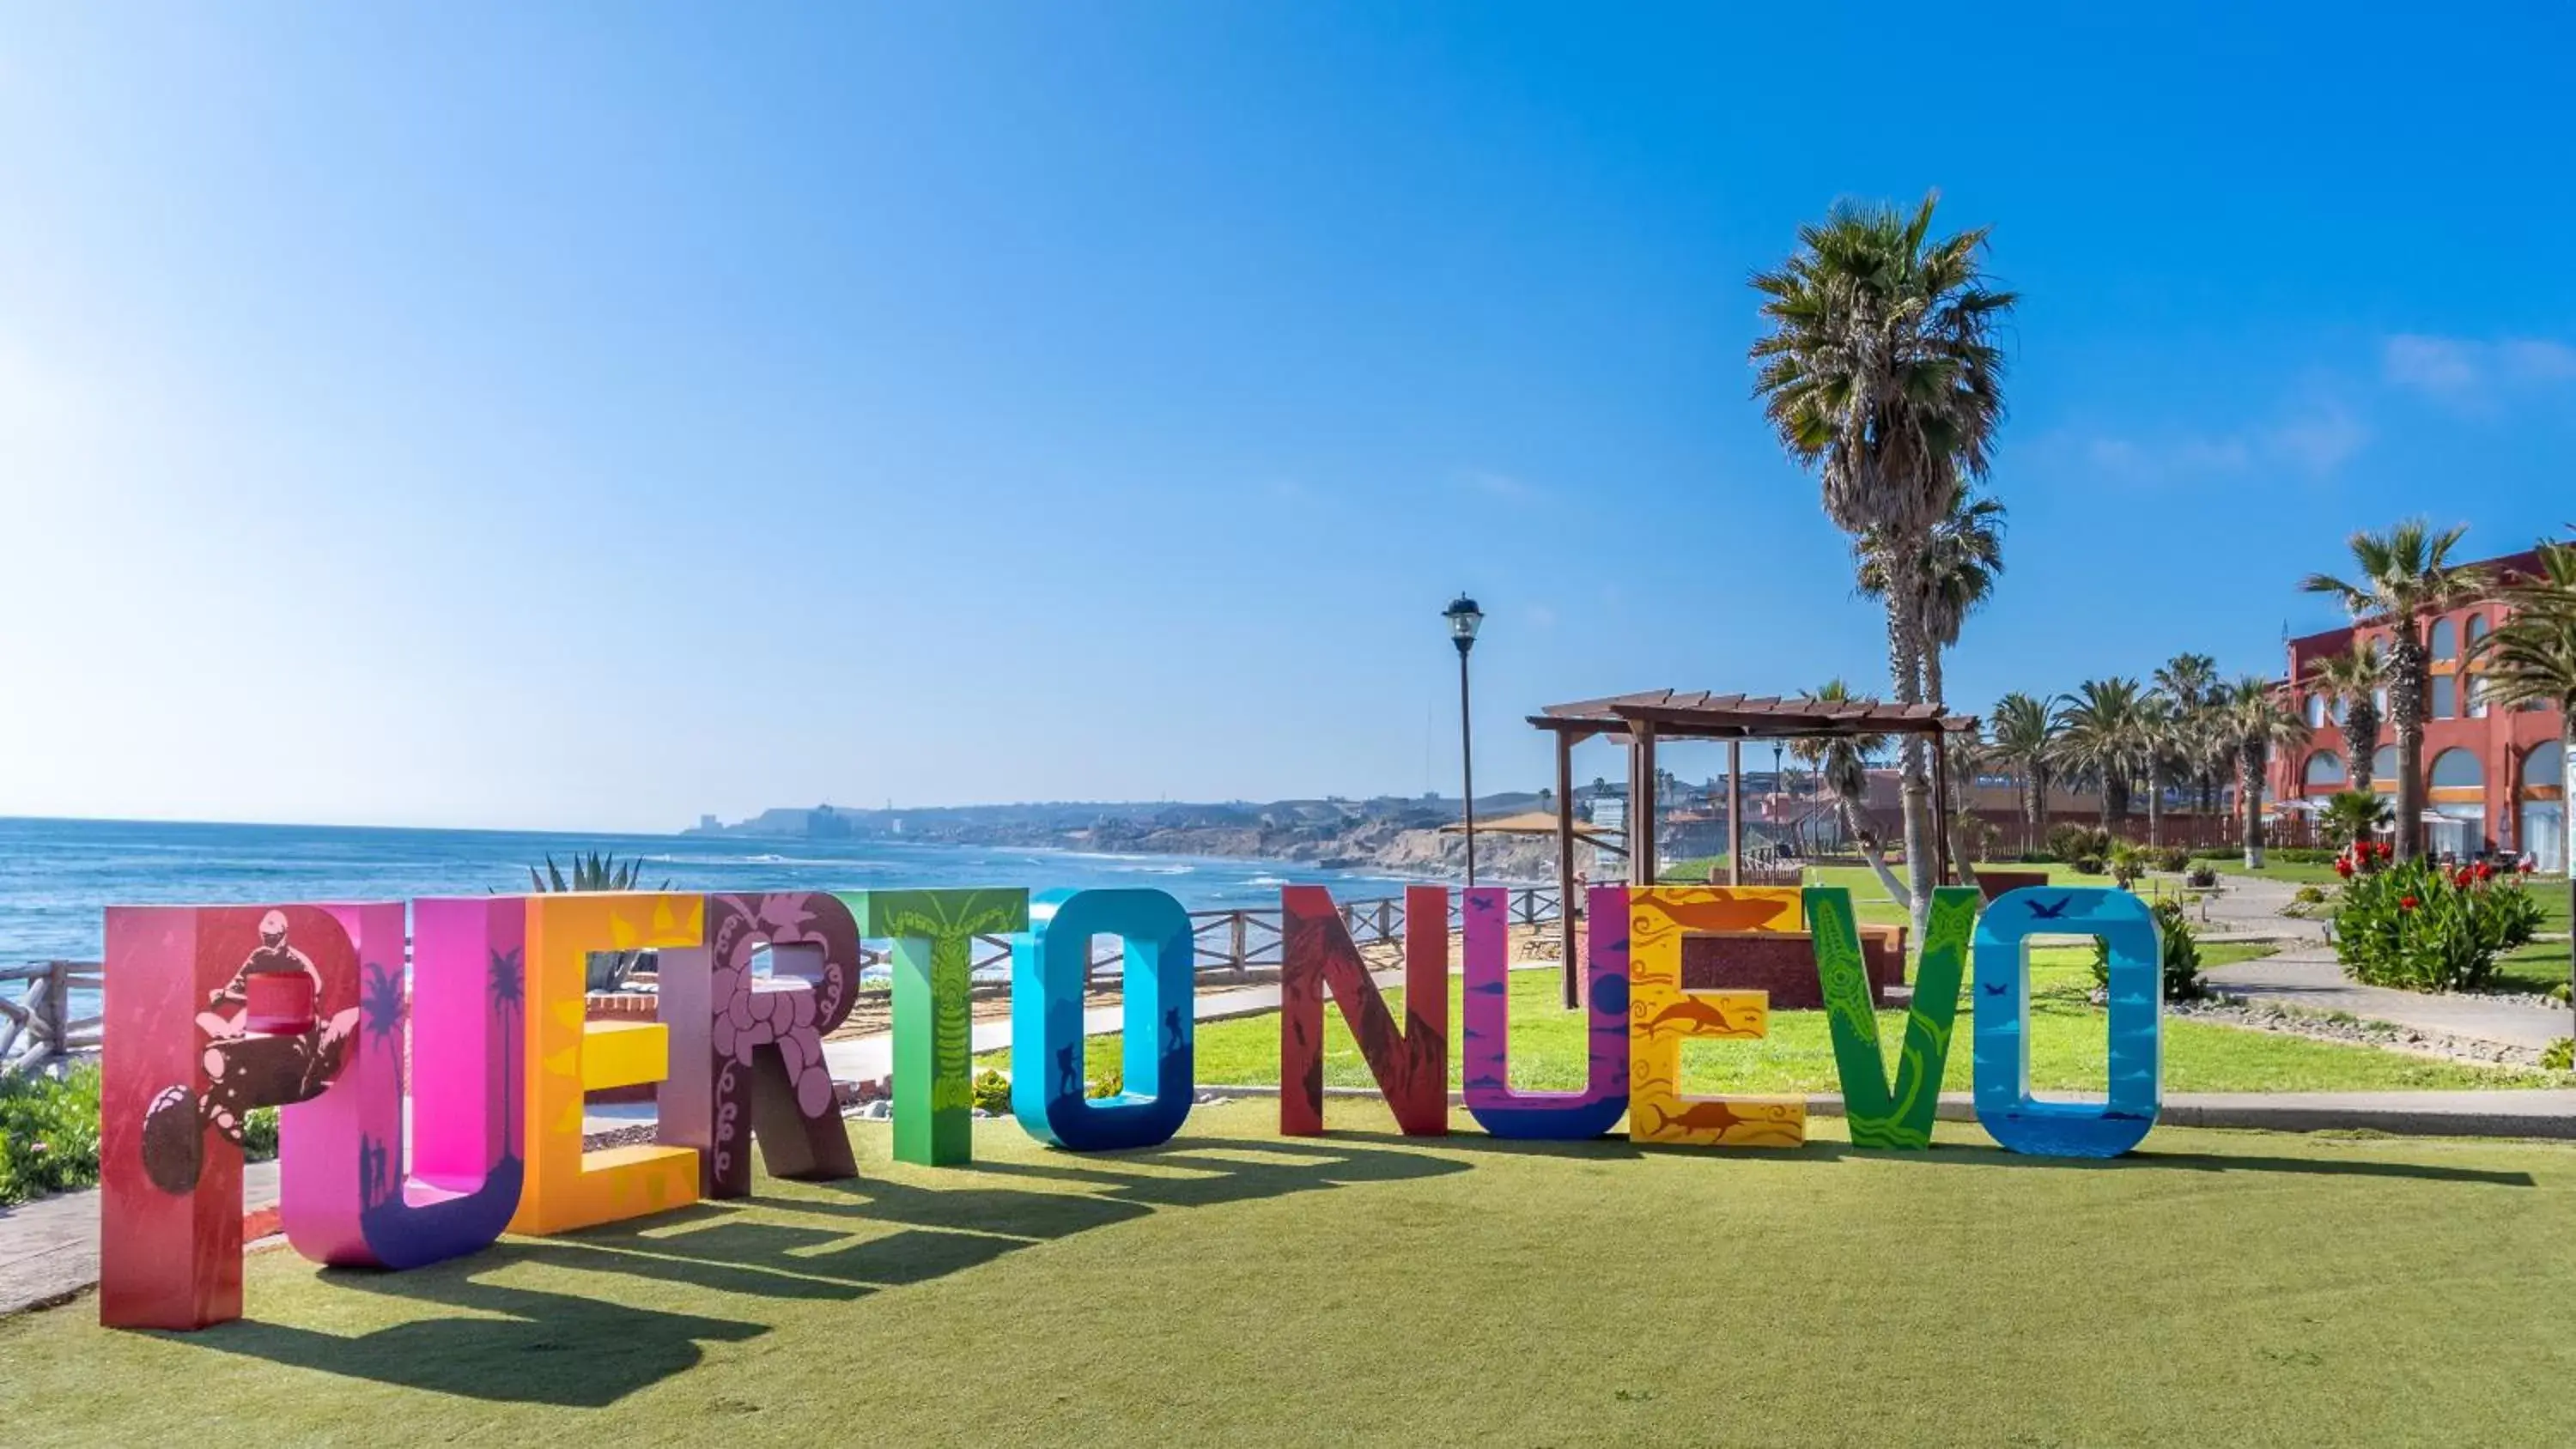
(1234, 1287)
(2540, 966)
(2069, 1047)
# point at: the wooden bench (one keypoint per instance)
(1783, 963)
(1995, 882)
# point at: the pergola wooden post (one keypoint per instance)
(1735, 812)
(1640, 720)
(1566, 905)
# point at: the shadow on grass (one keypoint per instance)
(590, 1349)
(1960, 1154)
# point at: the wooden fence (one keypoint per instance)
(38, 1026)
(1248, 939)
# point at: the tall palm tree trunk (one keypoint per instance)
(1905, 668)
(2406, 712)
(2249, 797)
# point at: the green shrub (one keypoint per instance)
(2559, 1056)
(2087, 865)
(2309, 895)
(1109, 1082)
(2182, 955)
(48, 1133)
(2200, 876)
(2417, 926)
(992, 1092)
(2173, 859)
(2076, 843)
(259, 1134)
(2127, 862)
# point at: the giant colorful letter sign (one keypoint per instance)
(1662, 1015)
(747, 1052)
(213, 1011)
(567, 1188)
(1557, 1116)
(1878, 1117)
(934, 1026)
(2004, 1104)
(1316, 954)
(1048, 968)
(352, 1195)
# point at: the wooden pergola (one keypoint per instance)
(1639, 721)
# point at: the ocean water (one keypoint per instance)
(58, 876)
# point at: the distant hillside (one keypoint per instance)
(1388, 832)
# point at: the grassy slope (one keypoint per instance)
(2068, 1050)
(1236, 1288)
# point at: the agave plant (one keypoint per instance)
(598, 871)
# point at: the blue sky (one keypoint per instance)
(586, 416)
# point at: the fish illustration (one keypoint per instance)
(1718, 1117)
(1692, 1011)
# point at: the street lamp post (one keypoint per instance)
(1464, 618)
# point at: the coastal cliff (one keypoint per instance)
(1397, 836)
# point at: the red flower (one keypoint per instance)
(2385, 849)
(2485, 871)
(2343, 866)
(2407, 903)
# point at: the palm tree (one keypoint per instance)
(2263, 721)
(1959, 564)
(2351, 815)
(1841, 763)
(2025, 740)
(2160, 739)
(2530, 658)
(2352, 679)
(2404, 574)
(2190, 681)
(2106, 736)
(1880, 371)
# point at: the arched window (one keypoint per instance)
(2545, 767)
(2446, 696)
(2383, 768)
(2446, 639)
(2324, 772)
(2316, 710)
(2457, 770)
(2476, 688)
(2477, 628)
(2379, 701)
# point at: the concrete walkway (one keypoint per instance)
(49, 1247)
(2305, 976)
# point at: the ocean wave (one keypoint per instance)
(1267, 880)
(1155, 869)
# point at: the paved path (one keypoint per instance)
(49, 1247)
(2305, 976)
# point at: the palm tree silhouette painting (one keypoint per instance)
(508, 999)
(382, 1010)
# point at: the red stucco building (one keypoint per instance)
(2495, 778)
